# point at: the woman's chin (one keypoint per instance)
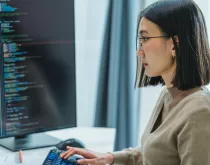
(151, 74)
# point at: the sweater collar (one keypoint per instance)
(176, 95)
(174, 92)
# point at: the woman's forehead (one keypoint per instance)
(148, 27)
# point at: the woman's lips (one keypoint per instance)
(145, 64)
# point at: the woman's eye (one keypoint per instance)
(144, 39)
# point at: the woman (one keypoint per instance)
(173, 50)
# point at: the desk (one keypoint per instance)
(96, 139)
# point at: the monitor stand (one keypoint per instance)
(32, 141)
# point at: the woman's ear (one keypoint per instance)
(174, 39)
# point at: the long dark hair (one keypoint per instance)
(184, 19)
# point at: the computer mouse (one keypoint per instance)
(70, 142)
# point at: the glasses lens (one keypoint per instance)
(138, 43)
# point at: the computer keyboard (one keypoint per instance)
(53, 158)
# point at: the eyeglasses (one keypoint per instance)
(141, 40)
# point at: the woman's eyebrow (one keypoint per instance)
(142, 32)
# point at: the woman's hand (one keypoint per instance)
(90, 157)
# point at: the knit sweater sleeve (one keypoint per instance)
(128, 156)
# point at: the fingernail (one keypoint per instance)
(80, 160)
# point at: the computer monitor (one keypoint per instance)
(37, 71)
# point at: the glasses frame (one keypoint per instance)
(138, 46)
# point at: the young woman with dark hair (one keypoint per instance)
(172, 50)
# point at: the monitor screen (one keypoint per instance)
(37, 70)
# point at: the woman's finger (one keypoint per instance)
(74, 150)
(70, 153)
(68, 147)
(65, 153)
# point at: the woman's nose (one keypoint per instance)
(140, 53)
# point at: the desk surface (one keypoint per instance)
(96, 139)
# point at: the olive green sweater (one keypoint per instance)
(178, 132)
